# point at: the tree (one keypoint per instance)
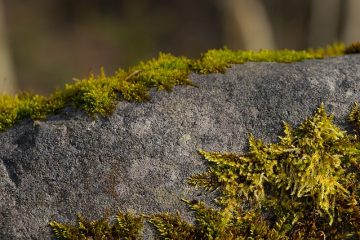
(7, 77)
(246, 24)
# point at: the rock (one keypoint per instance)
(139, 158)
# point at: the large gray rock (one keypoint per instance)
(138, 159)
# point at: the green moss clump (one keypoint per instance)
(164, 73)
(332, 50)
(306, 186)
(13, 109)
(126, 226)
(171, 226)
(99, 94)
(354, 116)
(94, 95)
(353, 48)
(218, 60)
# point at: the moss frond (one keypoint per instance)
(61, 231)
(214, 61)
(165, 72)
(129, 226)
(170, 226)
(332, 50)
(353, 48)
(354, 117)
(126, 227)
(21, 106)
(307, 183)
(94, 95)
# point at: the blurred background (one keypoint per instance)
(45, 44)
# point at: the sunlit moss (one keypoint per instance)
(164, 72)
(100, 94)
(331, 50)
(305, 186)
(94, 95)
(218, 60)
(13, 109)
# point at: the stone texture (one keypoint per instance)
(138, 159)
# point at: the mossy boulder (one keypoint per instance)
(138, 159)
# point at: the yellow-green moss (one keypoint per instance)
(218, 60)
(354, 116)
(126, 226)
(308, 183)
(306, 186)
(99, 94)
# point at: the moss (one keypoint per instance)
(218, 60)
(354, 116)
(99, 94)
(13, 109)
(126, 226)
(170, 226)
(164, 73)
(305, 186)
(353, 48)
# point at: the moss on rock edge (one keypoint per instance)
(99, 94)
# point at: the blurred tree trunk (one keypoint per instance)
(246, 24)
(7, 79)
(324, 22)
(352, 22)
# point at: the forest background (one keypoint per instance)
(45, 44)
